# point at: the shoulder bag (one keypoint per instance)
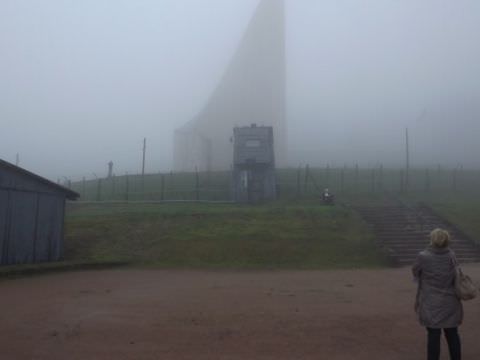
(464, 286)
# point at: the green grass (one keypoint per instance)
(284, 236)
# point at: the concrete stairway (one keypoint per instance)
(402, 232)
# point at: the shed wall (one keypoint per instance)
(49, 244)
(3, 224)
(21, 236)
(31, 227)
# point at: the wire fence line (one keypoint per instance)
(292, 183)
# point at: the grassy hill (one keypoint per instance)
(294, 235)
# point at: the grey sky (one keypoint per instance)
(82, 82)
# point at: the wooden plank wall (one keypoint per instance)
(31, 227)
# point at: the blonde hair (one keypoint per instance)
(440, 238)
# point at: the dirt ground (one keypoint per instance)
(156, 314)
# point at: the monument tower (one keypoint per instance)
(251, 91)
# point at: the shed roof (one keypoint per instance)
(71, 195)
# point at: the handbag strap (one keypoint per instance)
(459, 269)
(456, 267)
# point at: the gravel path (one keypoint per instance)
(157, 314)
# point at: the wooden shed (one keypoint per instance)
(32, 212)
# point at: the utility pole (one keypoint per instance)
(407, 164)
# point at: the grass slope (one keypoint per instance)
(299, 235)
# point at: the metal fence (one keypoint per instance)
(292, 183)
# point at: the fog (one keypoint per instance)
(83, 82)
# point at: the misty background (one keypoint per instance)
(83, 82)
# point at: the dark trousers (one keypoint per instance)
(453, 341)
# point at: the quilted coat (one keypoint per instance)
(437, 305)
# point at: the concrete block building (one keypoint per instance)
(254, 164)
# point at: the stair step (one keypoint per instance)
(403, 232)
(416, 252)
(422, 242)
(410, 261)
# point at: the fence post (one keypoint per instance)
(307, 174)
(342, 180)
(162, 194)
(357, 175)
(127, 187)
(427, 180)
(84, 189)
(380, 180)
(373, 179)
(197, 185)
(454, 179)
(402, 181)
(112, 183)
(460, 176)
(327, 175)
(299, 174)
(99, 190)
(144, 193)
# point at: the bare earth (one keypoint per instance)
(154, 314)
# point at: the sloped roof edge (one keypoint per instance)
(71, 195)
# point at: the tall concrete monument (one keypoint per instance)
(252, 90)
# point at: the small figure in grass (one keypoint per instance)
(328, 198)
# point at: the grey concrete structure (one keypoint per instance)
(252, 90)
(254, 164)
(32, 211)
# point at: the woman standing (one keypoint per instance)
(437, 304)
